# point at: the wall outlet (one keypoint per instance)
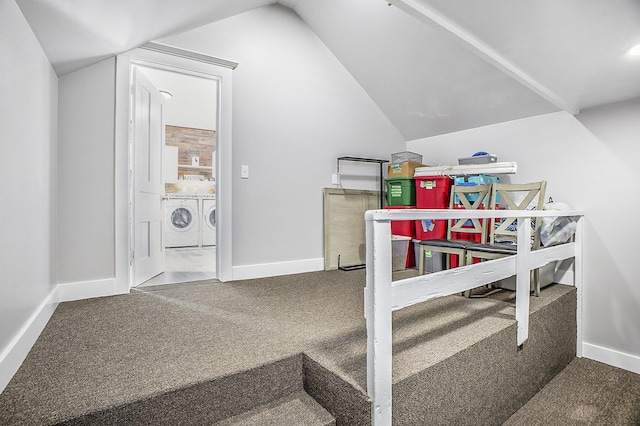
(244, 172)
(335, 179)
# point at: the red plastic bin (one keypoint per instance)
(432, 192)
(407, 229)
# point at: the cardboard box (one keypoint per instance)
(406, 169)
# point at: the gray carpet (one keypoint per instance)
(122, 355)
(585, 393)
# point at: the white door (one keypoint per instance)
(148, 187)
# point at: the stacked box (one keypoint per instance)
(402, 170)
(401, 192)
(401, 157)
(432, 192)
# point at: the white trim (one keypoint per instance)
(189, 54)
(612, 357)
(261, 270)
(16, 351)
(88, 289)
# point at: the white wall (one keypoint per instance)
(28, 122)
(86, 239)
(295, 109)
(587, 162)
(194, 98)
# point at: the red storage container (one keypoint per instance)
(407, 229)
(432, 192)
(430, 229)
(402, 227)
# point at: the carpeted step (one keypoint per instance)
(207, 402)
(294, 410)
(455, 361)
(586, 392)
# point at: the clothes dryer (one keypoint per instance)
(182, 222)
(208, 221)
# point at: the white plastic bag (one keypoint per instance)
(557, 230)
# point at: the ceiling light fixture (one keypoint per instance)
(165, 94)
(634, 51)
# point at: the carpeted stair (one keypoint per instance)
(293, 410)
(271, 394)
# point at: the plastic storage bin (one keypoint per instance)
(404, 228)
(432, 192)
(433, 261)
(478, 158)
(473, 181)
(401, 192)
(399, 251)
(401, 157)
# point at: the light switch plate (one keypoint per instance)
(244, 172)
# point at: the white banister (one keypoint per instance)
(378, 315)
(523, 280)
(382, 296)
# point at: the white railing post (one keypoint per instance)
(523, 278)
(578, 281)
(378, 305)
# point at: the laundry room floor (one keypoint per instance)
(185, 265)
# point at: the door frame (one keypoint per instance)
(124, 156)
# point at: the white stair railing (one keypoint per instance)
(382, 296)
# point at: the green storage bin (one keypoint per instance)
(401, 192)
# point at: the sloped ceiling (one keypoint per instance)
(77, 33)
(423, 79)
(432, 66)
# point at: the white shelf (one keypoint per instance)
(188, 166)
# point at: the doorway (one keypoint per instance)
(198, 176)
(188, 175)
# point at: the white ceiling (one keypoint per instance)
(432, 66)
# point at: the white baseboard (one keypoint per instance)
(87, 290)
(14, 354)
(262, 270)
(612, 357)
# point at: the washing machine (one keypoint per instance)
(208, 221)
(182, 228)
